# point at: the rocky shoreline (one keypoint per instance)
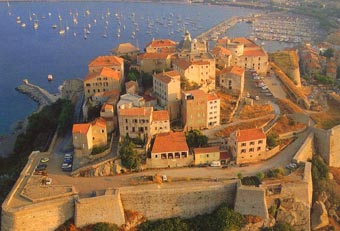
(39, 95)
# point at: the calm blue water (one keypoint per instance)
(33, 54)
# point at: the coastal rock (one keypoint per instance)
(293, 212)
(319, 216)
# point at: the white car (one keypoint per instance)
(48, 181)
(66, 165)
(164, 178)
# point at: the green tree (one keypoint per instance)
(260, 176)
(272, 139)
(240, 175)
(131, 76)
(103, 226)
(328, 53)
(171, 224)
(280, 227)
(65, 118)
(129, 156)
(196, 139)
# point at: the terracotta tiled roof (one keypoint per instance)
(245, 41)
(105, 72)
(249, 134)
(161, 43)
(81, 128)
(220, 50)
(160, 115)
(142, 111)
(182, 64)
(106, 61)
(107, 107)
(258, 52)
(197, 93)
(212, 96)
(239, 71)
(170, 142)
(154, 56)
(200, 62)
(207, 150)
(99, 122)
(222, 41)
(166, 77)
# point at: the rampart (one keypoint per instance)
(186, 199)
(100, 208)
(327, 145)
(305, 151)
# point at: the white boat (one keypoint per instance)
(62, 31)
(23, 25)
(18, 20)
(49, 77)
(54, 26)
(74, 34)
(35, 25)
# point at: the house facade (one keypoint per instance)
(103, 81)
(161, 46)
(160, 122)
(206, 155)
(151, 62)
(113, 62)
(248, 146)
(232, 79)
(170, 150)
(167, 89)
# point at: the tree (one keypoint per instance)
(272, 139)
(240, 175)
(196, 139)
(103, 226)
(260, 176)
(129, 156)
(328, 53)
(131, 76)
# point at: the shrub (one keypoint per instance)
(103, 226)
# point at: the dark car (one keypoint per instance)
(41, 167)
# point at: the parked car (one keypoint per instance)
(164, 178)
(41, 167)
(66, 167)
(244, 165)
(215, 163)
(44, 160)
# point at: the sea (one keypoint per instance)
(91, 29)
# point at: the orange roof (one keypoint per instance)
(220, 50)
(239, 71)
(249, 134)
(160, 115)
(207, 150)
(222, 41)
(105, 72)
(212, 96)
(245, 41)
(170, 142)
(135, 111)
(197, 93)
(258, 52)
(161, 43)
(200, 62)
(106, 107)
(154, 56)
(99, 122)
(106, 61)
(166, 77)
(182, 64)
(81, 128)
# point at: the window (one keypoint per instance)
(260, 142)
(177, 155)
(156, 156)
(251, 149)
(184, 155)
(252, 143)
(126, 128)
(163, 156)
(243, 151)
(243, 144)
(88, 85)
(258, 148)
(170, 155)
(103, 131)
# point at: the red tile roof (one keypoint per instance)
(249, 134)
(206, 150)
(160, 115)
(106, 107)
(142, 111)
(81, 128)
(182, 64)
(221, 50)
(212, 96)
(166, 77)
(258, 52)
(239, 71)
(99, 122)
(105, 72)
(154, 56)
(161, 43)
(106, 61)
(170, 142)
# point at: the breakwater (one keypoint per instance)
(41, 96)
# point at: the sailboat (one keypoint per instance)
(35, 25)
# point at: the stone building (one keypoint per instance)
(246, 54)
(222, 56)
(107, 113)
(200, 110)
(167, 89)
(86, 136)
(161, 46)
(151, 62)
(170, 150)
(232, 79)
(135, 122)
(248, 145)
(160, 122)
(113, 62)
(125, 49)
(103, 81)
(188, 47)
(206, 155)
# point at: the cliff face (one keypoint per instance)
(288, 61)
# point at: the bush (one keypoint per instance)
(250, 180)
(103, 226)
(260, 176)
(272, 139)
